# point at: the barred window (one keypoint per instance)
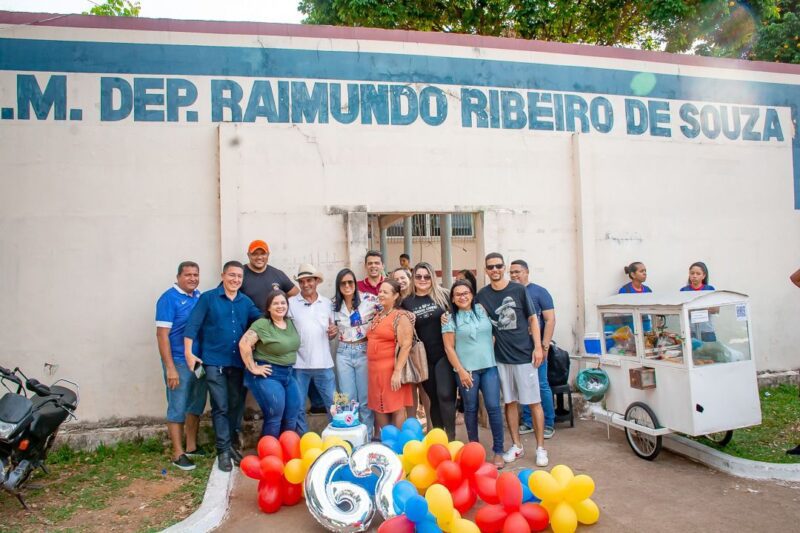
(428, 225)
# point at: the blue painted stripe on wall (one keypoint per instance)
(194, 60)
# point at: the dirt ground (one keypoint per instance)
(669, 494)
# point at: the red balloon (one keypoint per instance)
(536, 515)
(270, 497)
(509, 491)
(251, 467)
(448, 474)
(464, 497)
(487, 469)
(438, 453)
(290, 444)
(516, 523)
(269, 445)
(490, 518)
(292, 492)
(271, 468)
(472, 457)
(397, 524)
(486, 487)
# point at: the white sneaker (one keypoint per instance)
(513, 453)
(541, 457)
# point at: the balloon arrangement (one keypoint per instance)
(510, 513)
(274, 488)
(311, 446)
(432, 514)
(566, 497)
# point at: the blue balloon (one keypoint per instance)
(406, 436)
(527, 495)
(401, 492)
(523, 475)
(391, 443)
(428, 526)
(368, 483)
(414, 426)
(396, 446)
(389, 432)
(416, 509)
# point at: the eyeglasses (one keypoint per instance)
(462, 294)
(499, 266)
(422, 277)
(346, 282)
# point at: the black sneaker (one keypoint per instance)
(183, 462)
(236, 456)
(224, 462)
(199, 452)
(794, 451)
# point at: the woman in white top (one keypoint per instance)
(353, 312)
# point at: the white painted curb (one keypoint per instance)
(735, 466)
(215, 504)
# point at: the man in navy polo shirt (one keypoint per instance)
(186, 394)
(218, 321)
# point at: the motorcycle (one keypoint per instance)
(28, 426)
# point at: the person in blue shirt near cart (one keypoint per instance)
(638, 274)
(698, 278)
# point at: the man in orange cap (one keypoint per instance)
(260, 278)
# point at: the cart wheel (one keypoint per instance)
(644, 445)
(720, 438)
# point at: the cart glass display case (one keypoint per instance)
(687, 355)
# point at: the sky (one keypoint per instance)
(247, 10)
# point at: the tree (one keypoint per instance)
(751, 29)
(116, 8)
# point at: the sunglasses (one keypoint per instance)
(346, 282)
(422, 277)
(499, 266)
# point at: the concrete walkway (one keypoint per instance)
(671, 493)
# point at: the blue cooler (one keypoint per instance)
(591, 343)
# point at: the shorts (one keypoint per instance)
(188, 397)
(519, 383)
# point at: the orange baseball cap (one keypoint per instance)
(257, 245)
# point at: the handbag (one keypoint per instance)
(416, 368)
(557, 365)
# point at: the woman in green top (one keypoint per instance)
(269, 351)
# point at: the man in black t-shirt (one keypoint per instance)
(260, 278)
(518, 352)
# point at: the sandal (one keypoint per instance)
(498, 461)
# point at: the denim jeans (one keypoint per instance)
(487, 381)
(226, 389)
(278, 397)
(352, 375)
(441, 389)
(547, 400)
(190, 395)
(325, 382)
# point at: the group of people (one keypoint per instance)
(258, 331)
(698, 279)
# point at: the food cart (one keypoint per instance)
(680, 362)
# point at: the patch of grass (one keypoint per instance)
(82, 482)
(778, 432)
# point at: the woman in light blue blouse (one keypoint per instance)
(468, 343)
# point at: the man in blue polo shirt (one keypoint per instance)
(186, 394)
(217, 322)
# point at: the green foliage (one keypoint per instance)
(116, 8)
(752, 29)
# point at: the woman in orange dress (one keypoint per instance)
(386, 396)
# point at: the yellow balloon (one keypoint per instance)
(463, 526)
(563, 474)
(308, 441)
(422, 476)
(587, 511)
(414, 452)
(440, 503)
(579, 488)
(310, 456)
(550, 505)
(407, 465)
(435, 436)
(564, 519)
(454, 447)
(545, 487)
(294, 471)
(331, 440)
(447, 524)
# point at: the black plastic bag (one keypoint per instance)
(557, 366)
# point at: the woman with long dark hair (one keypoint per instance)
(428, 303)
(353, 312)
(698, 278)
(269, 352)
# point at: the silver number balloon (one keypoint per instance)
(338, 505)
(379, 456)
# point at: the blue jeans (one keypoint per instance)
(278, 398)
(487, 381)
(189, 397)
(352, 375)
(325, 382)
(547, 400)
(226, 389)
